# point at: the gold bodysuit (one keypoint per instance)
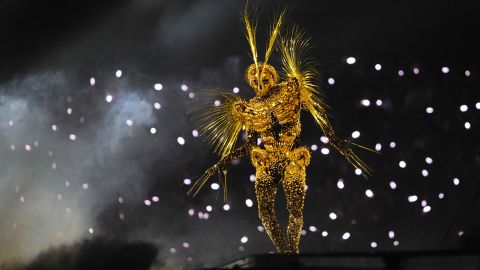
(271, 121)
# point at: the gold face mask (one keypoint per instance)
(261, 77)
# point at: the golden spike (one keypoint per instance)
(274, 32)
(250, 34)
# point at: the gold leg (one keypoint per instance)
(265, 189)
(294, 187)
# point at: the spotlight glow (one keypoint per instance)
(378, 67)
(351, 60)
(181, 140)
(158, 86)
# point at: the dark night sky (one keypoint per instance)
(49, 50)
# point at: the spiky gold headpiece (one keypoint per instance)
(250, 29)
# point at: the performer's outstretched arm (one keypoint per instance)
(220, 166)
(343, 146)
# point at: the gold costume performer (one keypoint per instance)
(271, 121)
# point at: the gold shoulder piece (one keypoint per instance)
(218, 124)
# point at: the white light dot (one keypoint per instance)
(314, 147)
(324, 139)
(345, 236)
(355, 134)
(402, 164)
(460, 233)
(191, 212)
(378, 146)
(441, 196)
(412, 198)
(325, 151)
(358, 171)
(331, 81)
(467, 125)
(158, 86)
(108, 98)
(153, 130)
(456, 181)
(373, 244)
(173, 250)
(351, 60)
(393, 145)
(324, 233)
(445, 70)
(252, 178)
(423, 203)
(155, 198)
(226, 207)
(312, 228)
(10, 123)
(92, 81)
(260, 229)
(463, 108)
(54, 127)
(187, 181)
(209, 208)
(244, 239)
(467, 73)
(191, 95)
(216, 103)
(378, 67)
(427, 209)
(249, 202)
(365, 102)
(429, 110)
(396, 243)
(12, 147)
(28, 147)
(340, 184)
(147, 202)
(379, 102)
(393, 185)
(401, 73)
(90, 230)
(184, 87)
(120, 200)
(369, 193)
(181, 140)
(215, 186)
(332, 216)
(129, 122)
(69, 111)
(424, 173)
(236, 90)
(118, 73)
(72, 137)
(391, 234)
(303, 232)
(416, 71)
(428, 160)
(157, 105)
(195, 133)
(477, 105)
(186, 245)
